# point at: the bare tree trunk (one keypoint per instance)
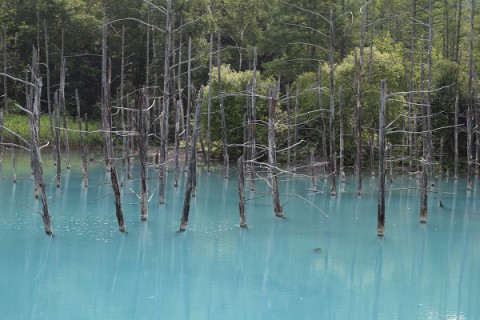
(312, 169)
(471, 98)
(142, 154)
(14, 167)
(82, 143)
(429, 87)
(166, 103)
(342, 143)
(189, 101)
(358, 113)
(35, 138)
(424, 160)
(412, 135)
(289, 127)
(333, 155)
(107, 127)
(241, 193)
(477, 124)
(459, 30)
(57, 140)
(272, 154)
(381, 161)
(47, 73)
(5, 70)
(122, 111)
(63, 110)
(177, 143)
(322, 117)
(253, 128)
(210, 70)
(455, 139)
(295, 131)
(222, 112)
(192, 166)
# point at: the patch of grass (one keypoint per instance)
(20, 124)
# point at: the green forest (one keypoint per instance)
(311, 50)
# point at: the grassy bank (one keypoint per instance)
(20, 124)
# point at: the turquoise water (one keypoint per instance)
(306, 266)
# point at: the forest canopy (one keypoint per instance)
(293, 41)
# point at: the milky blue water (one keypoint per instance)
(306, 266)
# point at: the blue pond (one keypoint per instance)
(306, 266)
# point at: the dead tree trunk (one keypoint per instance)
(5, 70)
(272, 154)
(192, 166)
(189, 100)
(222, 112)
(333, 155)
(358, 109)
(166, 103)
(241, 193)
(63, 110)
(122, 111)
(35, 138)
(58, 159)
(82, 143)
(289, 125)
(177, 143)
(381, 160)
(14, 167)
(107, 127)
(342, 143)
(47, 73)
(429, 87)
(295, 128)
(322, 118)
(471, 68)
(253, 128)
(477, 124)
(424, 160)
(142, 154)
(209, 108)
(312, 170)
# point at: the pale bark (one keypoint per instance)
(82, 143)
(241, 193)
(222, 112)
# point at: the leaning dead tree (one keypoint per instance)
(107, 128)
(36, 159)
(191, 166)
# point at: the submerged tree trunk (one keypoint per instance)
(272, 154)
(191, 167)
(35, 138)
(381, 161)
(82, 143)
(241, 193)
(424, 160)
(1, 134)
(107, 127)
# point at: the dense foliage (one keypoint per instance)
(292, 40)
